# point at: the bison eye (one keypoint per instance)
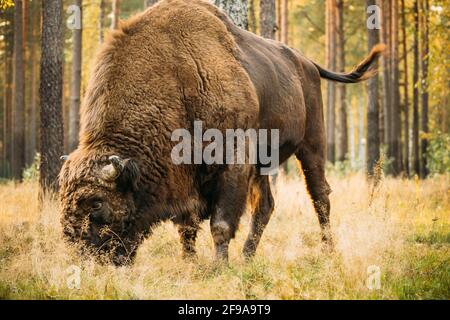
(97, 205)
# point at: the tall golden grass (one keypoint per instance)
(401, 227)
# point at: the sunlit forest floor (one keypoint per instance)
(402, 229)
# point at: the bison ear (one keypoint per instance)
(129, 178)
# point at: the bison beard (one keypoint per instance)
(178, 62)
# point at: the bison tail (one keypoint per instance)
(361, 72)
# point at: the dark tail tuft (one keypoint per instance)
(361, 72)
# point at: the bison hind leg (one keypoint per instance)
(313, 164)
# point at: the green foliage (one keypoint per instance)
(425, 276)
(5, 4)
(307, 31)
(386, 162)
(438, 152)
(130, 7)
(433, 238)
(340, 168)
(32, 172)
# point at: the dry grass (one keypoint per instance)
(404, 230)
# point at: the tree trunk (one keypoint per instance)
(267, 18)
(351, 131)
(51, 134)
(236, 10)
(19, 97)
(284, 21)
(331, 87)
(26, 34)
(424, 86)
(361, 140)
(115, 14)
(284, 37)
(415, 122)
(279, 26)
(395, 93)
(342, 135)
(406, 92)
(387, 112)
(381, 93)
(373, 138)
(251, 16)
(8, 93)
(101, 22)
(75, 85)
(33, 66)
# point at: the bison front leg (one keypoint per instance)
(230, 205)
(262, 201)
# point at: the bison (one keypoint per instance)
(178, 62)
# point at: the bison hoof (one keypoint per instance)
(328, 245)
(222, 254)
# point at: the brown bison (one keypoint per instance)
(175, 63)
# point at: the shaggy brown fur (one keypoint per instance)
(177, 62)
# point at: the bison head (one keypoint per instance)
(98, 197)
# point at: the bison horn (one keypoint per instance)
(64, 157)
(111, 171)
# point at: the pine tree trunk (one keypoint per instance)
(8, 93)
(284, 21)
(361, 143)
(278, 10)
(51, 130)
(381, 110)
(267, 19)
(251, 16)
(37, 83)
(425, 60)
(342, 135)
(101, 22)
(75, 84)
(415, 122)
(395, 93)
(406, 92)
(19, 94)
(33, 67)
(373, 139)
(26, 34)
(331, 86)
(351, 134)
(115, 14)
(236, 10)
(2, 131)
(387, 112)
(2, 101)
(284, 37)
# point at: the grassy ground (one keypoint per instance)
(401, 229)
